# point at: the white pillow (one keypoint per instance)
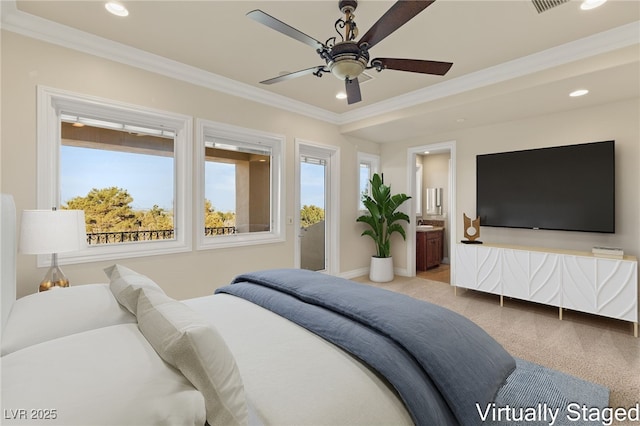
(126, 284)
(187, 341)
(107, 376)
(60, 312)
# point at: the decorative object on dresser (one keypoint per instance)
(613, 252)
(383, 220)
(471, 230)
(52, 232)
(567, 279)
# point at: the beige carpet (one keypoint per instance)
(596, 349)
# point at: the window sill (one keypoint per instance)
(117, 251)
(238, 240)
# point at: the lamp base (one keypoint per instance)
(54, 278)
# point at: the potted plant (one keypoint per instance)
(383, 221)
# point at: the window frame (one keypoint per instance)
(243, 136)
(51, 103)
(373, 161)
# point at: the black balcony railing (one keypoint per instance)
(221, 230)
(95, 238)
(128, 236)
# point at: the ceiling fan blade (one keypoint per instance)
(352, 88)
(293, 75)
(398, 15)
(276, 24)
(414, 65)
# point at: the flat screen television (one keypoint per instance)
(568, 188)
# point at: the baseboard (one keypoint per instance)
(354, 273)
(402, 272)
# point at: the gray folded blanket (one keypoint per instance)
(441, 364)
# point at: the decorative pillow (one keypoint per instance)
(107, 376)
(60, 312)
(184, 339)
(126, 284)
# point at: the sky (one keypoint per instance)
(149, 178)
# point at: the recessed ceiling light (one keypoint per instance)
(591, 4)
(580, 92)
(341, 95)
(116, 9)
(426, 152)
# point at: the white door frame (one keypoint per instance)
(449, 146)
(331, 154)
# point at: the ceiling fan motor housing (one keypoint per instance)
(347, 5)
(347, 60)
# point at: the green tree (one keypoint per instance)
(106, 210)
(217, 219)
(310, 215)
(156, 218)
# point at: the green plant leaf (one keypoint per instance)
(383, 219)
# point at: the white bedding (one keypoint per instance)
(111, 374)
(108, 376)
(91, 363)
(291, 376)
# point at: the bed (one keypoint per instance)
(277, 347)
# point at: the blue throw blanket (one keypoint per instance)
(440, 363)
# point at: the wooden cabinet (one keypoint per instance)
(421, 251)
(429, 249)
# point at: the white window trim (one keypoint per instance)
(51, 103)
(276, 142)
(374, 163)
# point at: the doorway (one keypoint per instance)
(316, 204)
(419, 210)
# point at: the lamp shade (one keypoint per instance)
(52, 231)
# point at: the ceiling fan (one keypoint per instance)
(347, 58)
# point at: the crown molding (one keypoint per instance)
(606, 41)
(51, 32)
(35, 27)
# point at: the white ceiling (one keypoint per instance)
(509, 61)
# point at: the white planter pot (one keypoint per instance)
(381, 270)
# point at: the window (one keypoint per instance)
(368, 165)
(240, 186)
(125, 166)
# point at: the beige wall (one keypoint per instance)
(27, 63)
(619, 121)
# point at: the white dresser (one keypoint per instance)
(567, 279)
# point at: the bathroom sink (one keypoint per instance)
(422, 228)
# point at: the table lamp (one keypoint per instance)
(52, 232)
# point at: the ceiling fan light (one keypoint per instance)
(347, 68)
(347, 61)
